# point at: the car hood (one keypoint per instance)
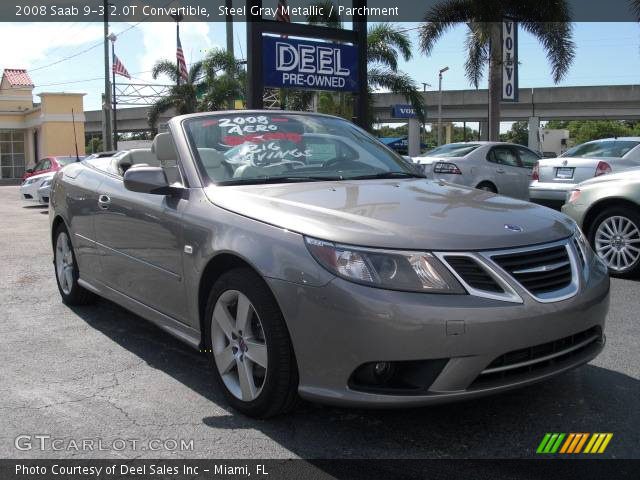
(407, 214)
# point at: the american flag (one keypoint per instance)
(182, 65)
(118, 68)
(282, 14)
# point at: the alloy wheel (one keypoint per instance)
(239, 345)
(64, 263)
(617, 242)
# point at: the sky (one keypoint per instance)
(607, 54)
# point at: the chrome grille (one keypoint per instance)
(472, 273)
(540, 271)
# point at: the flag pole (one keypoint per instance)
(178, 18)
(113, 38)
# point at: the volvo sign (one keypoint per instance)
(309, 64)
(509, 61)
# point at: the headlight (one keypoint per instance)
(46, 183)
(393, 270)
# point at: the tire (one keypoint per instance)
(487, 187)
(66, 271)
(620, 251)
(233, 349)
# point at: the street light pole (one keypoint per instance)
(113, 38)
(442, 70)
(424, 123)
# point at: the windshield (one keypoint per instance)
(453, 150)
(284, 147)
(609, 149)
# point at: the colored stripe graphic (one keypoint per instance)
(573, 443)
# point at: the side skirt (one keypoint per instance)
(182, 332)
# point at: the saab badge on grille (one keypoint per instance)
(513, 228)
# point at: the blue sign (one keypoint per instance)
(308, 64)
(403, 111)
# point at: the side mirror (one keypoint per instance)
(29, 170)
(144, 179)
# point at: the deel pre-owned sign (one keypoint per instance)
(309, 64)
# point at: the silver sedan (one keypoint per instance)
(497, 167)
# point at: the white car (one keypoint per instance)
(29, 188)
(554, 178)
(498, 167)
(44, 192)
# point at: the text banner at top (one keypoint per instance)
(297, 10)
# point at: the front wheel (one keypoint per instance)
(66, 269)
(487, 187)
(615, 237)
(249, 346)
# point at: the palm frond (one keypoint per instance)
(386, 35)
(556, 39)
(399, 83)
(442, 17)
(329, 16)
(157, 109)
(477, 45)
(165, 67)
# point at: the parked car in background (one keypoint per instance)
(30, 186)
(607, 208)
(497, 167)
(44, 191)
(50, 164)
(553, 178)
(315, 261)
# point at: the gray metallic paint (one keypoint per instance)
(335, 325)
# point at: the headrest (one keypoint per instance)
(141, 155)
(163, 147)
(211, 158)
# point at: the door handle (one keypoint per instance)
(104, 201)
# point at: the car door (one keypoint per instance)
(140, 238)
(528, 159)
(506, 169)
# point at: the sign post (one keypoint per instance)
(509, 61)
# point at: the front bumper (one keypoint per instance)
(337, 328)
(29, 193)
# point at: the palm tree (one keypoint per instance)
(212, 84)
(224, 81)
(548, 20)
(386, 44)
(183, 96)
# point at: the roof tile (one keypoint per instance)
(17, 77)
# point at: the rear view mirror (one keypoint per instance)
(145, 179)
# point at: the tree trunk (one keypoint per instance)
(495, 81)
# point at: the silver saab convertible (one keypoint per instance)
(308, 259)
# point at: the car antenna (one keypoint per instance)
(75, 137)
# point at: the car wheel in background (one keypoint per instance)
(487, 187)
(66, 268)
(249, 345)
(615, 237)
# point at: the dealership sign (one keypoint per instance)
(309, 64)
(403, 111)
(509, 61)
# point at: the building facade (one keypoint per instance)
(31, 131)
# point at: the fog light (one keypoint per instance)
(381, 368)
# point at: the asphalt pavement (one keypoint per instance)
(101, 373)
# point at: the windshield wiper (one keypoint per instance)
(279, 179)
(387, 175)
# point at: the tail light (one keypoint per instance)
(603, 168)
(535, 173)
(447, 168)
